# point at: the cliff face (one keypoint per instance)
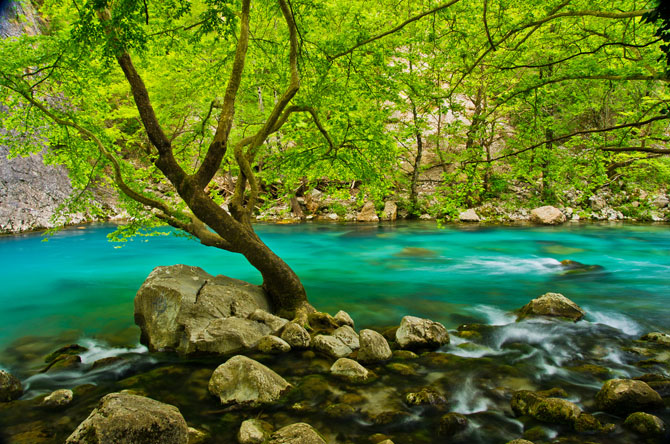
(30, 191)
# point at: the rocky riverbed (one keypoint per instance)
(237, 373)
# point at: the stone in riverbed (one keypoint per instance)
(645, 424)
(295, 335)
(547, 215)
(657, 337)
(57, 399)
(243, 381)
(254, 431)
(299, 433)
(425, 396)
(624, 396)
(421, 333)
(68, 350)
(331, 346)
(122, 418)
(347, 335)
(10, 387)
(273, 344)
(551, 410)
(343, 318)
(374, 347)
(172, 297)
(322, 322)
(452, 423)
(350, 370)
(551, 305)
(222, 336)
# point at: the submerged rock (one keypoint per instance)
(122, 418)
(243, 381)
(547, 215)
(421, 333)
(10, 387)
(57, 399)
(350, 370)
(551, 410)
(68, 350)
(571, 267)
(299, 433)
(645, 424)
(374, 347)
(295, 335)
(331, 346)
(551, 305)
(452, 423)
(177, 298)
(624, 396)
(254, 431)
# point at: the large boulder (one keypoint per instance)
(10, 387)
(624, 396)
(243, 381)
(222, 336)
(469, 216)
(299, 433)
(374, 347)
(421, 333)
(551, 305)
(547, 215)
(175, 296)
(368, 213)
(122, 418)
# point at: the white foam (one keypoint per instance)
(97, 350)
(615, 320)
(503, 265)
(469, 399)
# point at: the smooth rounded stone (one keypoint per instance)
(331, 346)
(350, 370)
(551, 305)
(10, 387)
(274, 322)
(390, 211)
(273, 344)
(58, 398)
(175, 295)
(425, 396)
(624, 396)
(241, 380)
(68, 350)
(547, 215)
(63, 362)
(347, 335)
(452, 423)
(645, 424)
(121, 418)
(299, 433)
(551, 410)
(107, 362)
(420, 333)
(223, 336)
(374, 347)
(295, 335)
(657, 337)
(401, 369)
(368, 213)
(343, 318)
(254, 431)
(404, 354)
(469, 216)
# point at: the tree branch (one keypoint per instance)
(637, 149)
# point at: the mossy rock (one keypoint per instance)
(645, 424)
(340, 411)
(313, 388)
(404, 355)
(452, 424)
(68, 350)
(537, 433)
(425, 396)
(389, 417)
(64, 362)
(597, 371)
(401, 369)
(351, 398)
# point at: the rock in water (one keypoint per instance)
(331, 346)
(223, 336)
(296, 336)
(273, 344)
(57, 399)
(254, 431)
(374, 347)
(552, 305)
(645, 424)
(10, 387)
(624, 396)
(349, 336)
(343, 318)
(243, 381)
(469, 216)
(274, 322)
(121, 418)
(299, 433)
(421, 333)
(350, 370)
(175, 295)
(368, 213)
(547, 215)
(551, 410)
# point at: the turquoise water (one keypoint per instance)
(80, 283)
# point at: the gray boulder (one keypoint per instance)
(551, 305)
(299, 433)
(58, 399)
(331, 346)
(368, 213)
(469, 216)
(243, 381)
(223, 336)
(121, 418)
(175, 298)
(350, 370)
(273, 344)
(624, 396)
(347, 335)
(421, 333)
(374, 347)
(296, 336)
(10, 387)
(547, 215)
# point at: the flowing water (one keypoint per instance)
(78, 287)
